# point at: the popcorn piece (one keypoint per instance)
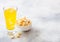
(12, 37)
(18, 35)
(10, 33)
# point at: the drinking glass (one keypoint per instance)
(10, 17)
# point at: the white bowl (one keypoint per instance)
(25, 28)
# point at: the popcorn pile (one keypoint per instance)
(14, 35)
(24, 22)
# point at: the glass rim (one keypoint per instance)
(16, 8)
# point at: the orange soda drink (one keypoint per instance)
(10, 18)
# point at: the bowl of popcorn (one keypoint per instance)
(24, 24)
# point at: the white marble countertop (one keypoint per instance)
(45, 16)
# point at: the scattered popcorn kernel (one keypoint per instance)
(18, 35)
(10, 33)
(12, 37)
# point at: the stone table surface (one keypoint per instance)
(45, 17)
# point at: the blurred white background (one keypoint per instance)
(45, 16)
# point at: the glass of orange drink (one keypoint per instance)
(10, 14)
(10, 17)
